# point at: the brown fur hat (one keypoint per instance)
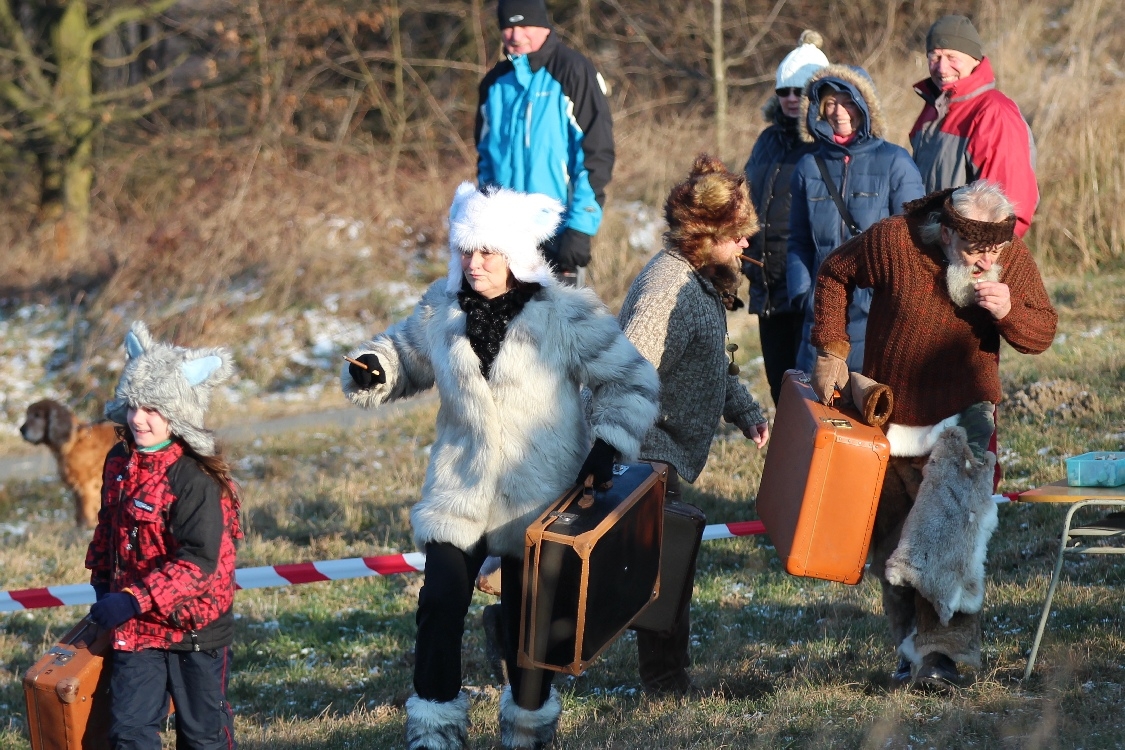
(710, 206)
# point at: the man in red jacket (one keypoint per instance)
(968, 130)
(949, 282)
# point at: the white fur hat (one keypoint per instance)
(504, 221)
(174, 381)
(800, 64)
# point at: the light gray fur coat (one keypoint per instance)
(509, 445)
(945, 537)
(675, 318)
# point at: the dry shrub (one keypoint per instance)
(179, 220)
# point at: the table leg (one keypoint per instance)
(1051, 591)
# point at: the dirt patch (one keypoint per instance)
(1059, 399)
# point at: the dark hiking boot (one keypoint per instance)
(936, 672)
(494, 643)
(901, 674)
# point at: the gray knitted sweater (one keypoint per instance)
(675, 318)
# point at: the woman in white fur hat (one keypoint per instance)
(508, 349)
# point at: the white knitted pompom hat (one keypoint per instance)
(174, 381)
(504, 221)
(800, 64)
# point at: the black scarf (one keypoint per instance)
(488, 319)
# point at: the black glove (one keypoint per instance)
(101, 591)
(373, 375)
(600, 464)
(114, 609)
(572, 250)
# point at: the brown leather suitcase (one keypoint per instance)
(820, 485)
(679, 546)
(591, 565)
(67, 692)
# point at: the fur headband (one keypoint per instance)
(710, 206)
(504, 221)
(986, 233)
(174, 381)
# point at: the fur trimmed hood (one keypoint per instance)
(710, 206)
(771, 110)
(175, 381)
(505, 221)
(850, 79)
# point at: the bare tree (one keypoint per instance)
(51, 106)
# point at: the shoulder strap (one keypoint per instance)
(845, 214)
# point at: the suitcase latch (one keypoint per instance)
(561, 517)
(842, 424)
(62, 655)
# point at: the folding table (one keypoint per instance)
(1077, 540)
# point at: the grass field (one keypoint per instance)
(785, 662)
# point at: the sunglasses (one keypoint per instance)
(789, 91)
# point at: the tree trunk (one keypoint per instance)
(67, 174)
(719, 72)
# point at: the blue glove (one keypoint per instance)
(114, 609)
(101, 591)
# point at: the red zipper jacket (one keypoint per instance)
(166, 532)
(970, 131)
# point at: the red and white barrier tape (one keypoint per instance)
(326, 570)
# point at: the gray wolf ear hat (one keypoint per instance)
(174, 381)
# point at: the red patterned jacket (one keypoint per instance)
(166, 532)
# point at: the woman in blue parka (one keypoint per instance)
(874, 178)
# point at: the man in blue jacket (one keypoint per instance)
(544, 126)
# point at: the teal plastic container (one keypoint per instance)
(1096, 469)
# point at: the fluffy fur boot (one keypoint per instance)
(431, 725)
(945, 537)
(521, 729)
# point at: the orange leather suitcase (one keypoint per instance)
(820, 485)
(591, 566)
(67, 692)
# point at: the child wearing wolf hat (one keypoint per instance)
(163, 553)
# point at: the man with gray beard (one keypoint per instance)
(949, 279)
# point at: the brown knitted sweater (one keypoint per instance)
(937, 358)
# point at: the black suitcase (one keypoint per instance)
(590, 568)
(683, 533)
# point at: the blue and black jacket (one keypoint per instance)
(544, 126)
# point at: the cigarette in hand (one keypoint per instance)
(359, 364)
(748, 259)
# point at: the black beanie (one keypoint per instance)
(955, 32)
(522, 13)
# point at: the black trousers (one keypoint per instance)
(443, 604)
(663, 660)
(781, 337)
(140, 684)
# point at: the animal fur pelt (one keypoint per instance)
(945, 537)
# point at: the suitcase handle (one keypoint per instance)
(587, 500)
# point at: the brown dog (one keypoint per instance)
(80, 450)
